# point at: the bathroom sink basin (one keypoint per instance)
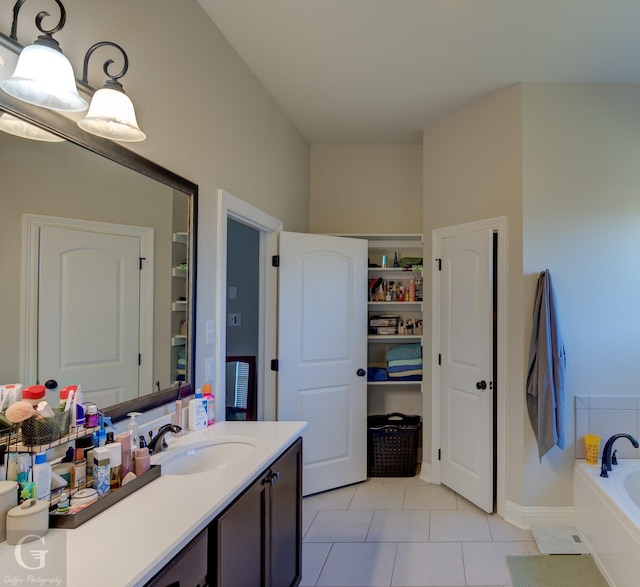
(205, 455)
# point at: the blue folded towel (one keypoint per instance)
(404, 351)
(376, 374)
(405, 369)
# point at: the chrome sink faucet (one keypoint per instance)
(606, 452)
(157, 443)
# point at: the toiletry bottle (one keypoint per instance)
(412, 291)
(115, 463)
(197, 412)
(208, 395)
(395, 259)
(23, 468)
(42, 476)
(142, 461)
(126, 465)
(78, 475)
(101, 468)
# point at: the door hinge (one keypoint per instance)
(439, 454)
(439, 261)
(275, 364)
(439, 359)
(139, 359)
(275, 261)
(141, 260)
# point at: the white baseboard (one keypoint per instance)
(527, 517)
(521, 516)
(425, 472)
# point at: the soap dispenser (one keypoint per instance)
(133, 429)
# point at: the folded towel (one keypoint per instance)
(406, 378)
(376, 374)
(401, 374)
(403, 362)
(182, 353)
(182, 362)
(404, 351)
(407, 369)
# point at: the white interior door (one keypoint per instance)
(88, 306)
(467, 459)
(322, 332)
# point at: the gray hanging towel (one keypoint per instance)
(545, 377)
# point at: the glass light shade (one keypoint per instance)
(111, 115)
(44, 77)
(21, 128)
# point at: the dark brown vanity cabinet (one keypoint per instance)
(257, 540)
(187, 569)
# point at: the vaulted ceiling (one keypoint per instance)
(379, 71)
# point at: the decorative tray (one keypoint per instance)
(84, 515)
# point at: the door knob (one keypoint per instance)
(51, 384)
(481, 384)
(361, 372)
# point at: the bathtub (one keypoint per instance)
(608, 518)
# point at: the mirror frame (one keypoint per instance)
(69, 130)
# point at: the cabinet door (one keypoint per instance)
(188, 569)
(241, 540)
(286, 518)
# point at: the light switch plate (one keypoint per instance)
(232, 293)
(210, 329)
(210, 369)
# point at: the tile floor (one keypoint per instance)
(404, 532)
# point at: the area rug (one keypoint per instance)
(555, 570)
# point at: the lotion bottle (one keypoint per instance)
(198, 412)
(42, 476)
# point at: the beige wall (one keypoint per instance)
(473, 171)
(205, 114)
(560, 162)
(366, 189)
(581, 220)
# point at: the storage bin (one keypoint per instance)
(392, 447)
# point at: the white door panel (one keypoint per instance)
(88, 304)
(467, 349)
(321, 345)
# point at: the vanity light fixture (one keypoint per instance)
(21, 128)
(111, 114)
(43, 75)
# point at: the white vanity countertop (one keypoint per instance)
(131, 541)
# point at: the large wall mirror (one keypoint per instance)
(97, 265)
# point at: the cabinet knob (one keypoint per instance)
(271, 478)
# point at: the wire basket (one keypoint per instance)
(37, 431)
(393, 445)
(6, 427)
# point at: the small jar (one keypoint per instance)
(34, 394)
(92, 415)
